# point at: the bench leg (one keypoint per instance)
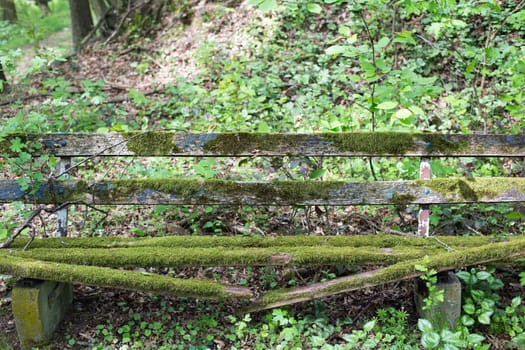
(38, 307)
(447, 313)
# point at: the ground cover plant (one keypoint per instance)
(288, 67)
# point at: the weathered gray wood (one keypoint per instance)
(161, 143)
(197, 191)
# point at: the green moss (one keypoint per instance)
(371, 143)
(223, 256)
(401, 270)
(106, 277)
(403, 198)
(199, 191)
(377, 241)
(474, 189)
(153, 143)
(392, 143)
(442, 144)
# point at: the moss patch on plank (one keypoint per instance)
(151, 143)
(474, 189)
(232, 242)
(199, 191)
(224, 256)
(392, 143)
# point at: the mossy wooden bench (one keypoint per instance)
(107, 261)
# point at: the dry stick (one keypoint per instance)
(28, 224)
(96, 27)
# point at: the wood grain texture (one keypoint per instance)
(278, 193)
(161, 143)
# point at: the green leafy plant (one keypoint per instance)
(435, 296)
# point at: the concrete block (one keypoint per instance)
(447, 313)
(39, 307)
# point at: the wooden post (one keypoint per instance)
(424, 211)
(61, 230)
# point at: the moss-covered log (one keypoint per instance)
(161, 143)
(183, 257)
(107, 277)
(197, 191)
(400, 271)
(377, 241)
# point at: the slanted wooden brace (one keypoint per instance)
(53, 264)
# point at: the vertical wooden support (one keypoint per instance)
(61, 230)
(39, 307)
(424, 211)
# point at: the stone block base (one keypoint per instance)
(447, 313)
(38, 307)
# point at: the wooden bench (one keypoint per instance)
(108, 261)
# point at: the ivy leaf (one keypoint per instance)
(430, 340)
(424, 325)
(484, 318)
(475, 339)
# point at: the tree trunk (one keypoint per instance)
(3, 79)
(81, 21)
(8, 10)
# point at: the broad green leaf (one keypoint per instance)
(470, 309)
(314, 8)
(369, 326)
(424, 325)
(483, 275)
(387, 105)
(484, 318)
(344, 30)
(474, 339)
(336, 50)
(403, 113)
(264, 5)
(514, 215)
(466, 320)
(317, 173)
(405, 38)
(430, 340)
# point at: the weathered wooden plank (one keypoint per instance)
(162, 143)
(241, 242)
(226, 256)
(197, 191)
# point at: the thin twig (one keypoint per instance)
(96, 155)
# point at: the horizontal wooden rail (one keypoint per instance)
(197, 191)
(163, 143)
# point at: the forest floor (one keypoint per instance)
(174, 51)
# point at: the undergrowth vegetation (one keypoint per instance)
(335, 66)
